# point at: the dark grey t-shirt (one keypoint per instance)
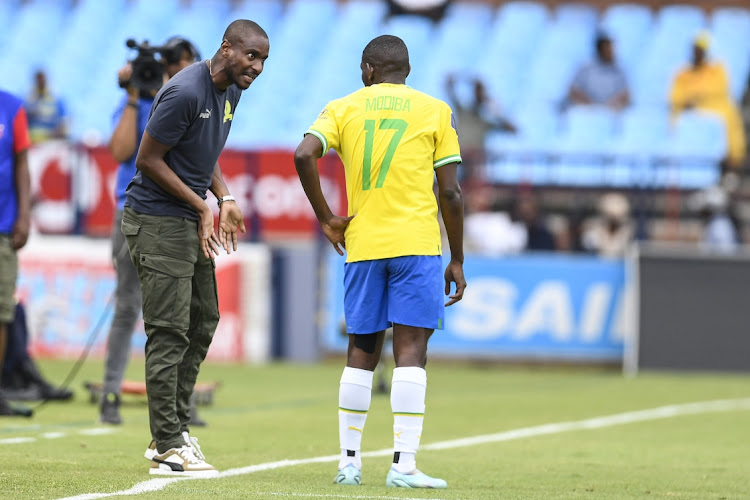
(194, 117)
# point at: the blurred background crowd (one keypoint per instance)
(583, 125)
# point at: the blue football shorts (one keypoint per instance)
(405, 290)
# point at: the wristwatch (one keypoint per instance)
(228, 197)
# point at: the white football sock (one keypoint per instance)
(355, 393)
(407, 402)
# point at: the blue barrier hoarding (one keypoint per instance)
(525, 307)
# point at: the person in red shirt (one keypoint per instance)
(15, 214)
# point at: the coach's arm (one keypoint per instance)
(150, 161)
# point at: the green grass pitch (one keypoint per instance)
(265, 414)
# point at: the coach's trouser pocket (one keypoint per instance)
(129, 227)
(166, 286)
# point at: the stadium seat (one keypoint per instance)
(549, 76)
(523, 157)
(681, 18)
(581, 146)
(8, 13)
(692, 152)
(730, 28)
(577, 15)
(517, 29)
(628, 25)
(267, 13)
(642, 131)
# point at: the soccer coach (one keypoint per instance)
(170, 233)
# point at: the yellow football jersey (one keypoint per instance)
(390, 138)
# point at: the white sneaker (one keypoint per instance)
(193, 443)
(150, 451)
(189, 441)
(181, 462)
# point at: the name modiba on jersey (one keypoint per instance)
(388, 102)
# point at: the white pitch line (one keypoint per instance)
(96, 431)
(17, 440)
(658, 413)
(56, 435)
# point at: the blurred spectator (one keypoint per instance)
(538, 235)
(719, 233)
(15, 215)
(601, 82)
(21, 378)
(610, 234)
(745, 110)
(47, 117)
(704, 86)
(432, 9)
(488, 230)
(474, 120)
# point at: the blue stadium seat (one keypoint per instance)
(692, 152)
(581, 147)
(552, 69)
(267, 13)
(642, 131)
(523, 157)
(517, 28)
(457, 49)
(8, 12)
(732, 20)
(730, 28)
(203, 24)
(628, 25)
(681, 18)
(577, 15)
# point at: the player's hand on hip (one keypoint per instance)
(334, 229)
(209, 242)
(230, 221)
(454, 273)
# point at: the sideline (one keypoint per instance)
(658, 413)
(94, 431)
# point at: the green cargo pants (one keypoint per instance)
(180, 312)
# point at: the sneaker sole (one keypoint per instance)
(398, 483)
(349, 482)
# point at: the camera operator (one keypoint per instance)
(141, 79)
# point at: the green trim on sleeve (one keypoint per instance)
(447, 160)
(322, 139)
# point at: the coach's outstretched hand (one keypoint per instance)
(454, 273)
(230, 221)
(334, 229)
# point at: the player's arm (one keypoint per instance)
(452, 208)
(150, 161)
(21, 144)
(230, 215)
(306, 163)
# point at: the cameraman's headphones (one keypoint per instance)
(174, 56)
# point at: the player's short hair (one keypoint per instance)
(237, 28)
(388, 54)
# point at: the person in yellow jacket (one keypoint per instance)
(704, 86)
